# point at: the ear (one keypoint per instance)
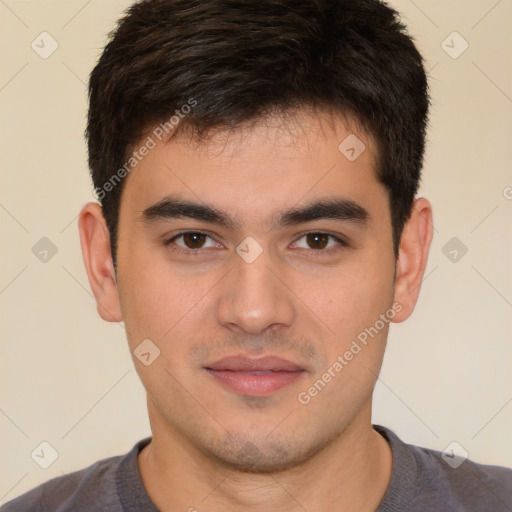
(95, 242)
(412, 257)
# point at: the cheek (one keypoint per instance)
(157, 302)
(354, 345)
(351, 304)
(353, 295)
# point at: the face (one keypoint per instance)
(265, 242)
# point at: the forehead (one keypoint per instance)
(259, 167)
(300, 133)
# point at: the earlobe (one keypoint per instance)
(95, 243)
(413, 257)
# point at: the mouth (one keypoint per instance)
(254, 377)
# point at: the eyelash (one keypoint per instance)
(317, 252)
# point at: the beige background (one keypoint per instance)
(67, 377)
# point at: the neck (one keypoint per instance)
(352, 472)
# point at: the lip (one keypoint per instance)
(261, 364)
(255, 377)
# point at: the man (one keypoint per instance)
(257, 166)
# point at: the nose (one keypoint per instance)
(254, 298)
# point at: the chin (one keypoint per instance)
(263, 455)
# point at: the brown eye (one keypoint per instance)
(194, 240)
(319, 243)
(317, 240)
(191, 242)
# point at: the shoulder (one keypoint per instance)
(91, 488)
(71, 491)
(427, 479)
(465, 482)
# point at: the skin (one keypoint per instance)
(212, 448)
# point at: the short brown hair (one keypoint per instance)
(238, 60)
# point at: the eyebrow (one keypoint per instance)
(329, 208)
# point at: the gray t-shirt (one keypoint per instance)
(421, 481)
